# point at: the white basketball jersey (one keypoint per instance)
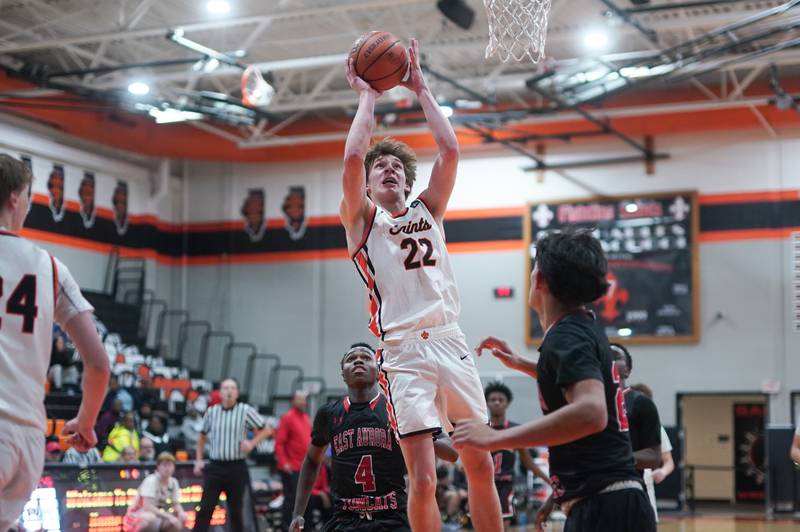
(35, 290)
(404, 262)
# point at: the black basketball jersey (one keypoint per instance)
(505, 459)
(643, 420)
(575, 349)
(367, 467)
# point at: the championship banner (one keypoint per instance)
(651, 245)
(748, 441)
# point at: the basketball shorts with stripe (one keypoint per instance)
(430, 381)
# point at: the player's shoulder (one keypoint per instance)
(331, 408)
(24, 249)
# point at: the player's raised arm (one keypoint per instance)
(443, 175)
(355, 204)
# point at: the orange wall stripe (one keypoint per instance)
(463, 214)
(747, 234)
(482, 247)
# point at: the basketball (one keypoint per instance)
(380, 59)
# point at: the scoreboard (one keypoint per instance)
(96, 498)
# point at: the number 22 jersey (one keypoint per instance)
(403, 260)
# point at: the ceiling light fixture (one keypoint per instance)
(218, 7)
(595, 39)
(139, 88)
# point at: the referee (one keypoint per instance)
(225, 426)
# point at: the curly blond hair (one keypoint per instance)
(390, 146)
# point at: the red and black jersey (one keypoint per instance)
(575, 349)
(645, 425)
(367, 467)
(505, 459)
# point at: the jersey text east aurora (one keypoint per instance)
(367, 467)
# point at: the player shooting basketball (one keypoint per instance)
(426, 371)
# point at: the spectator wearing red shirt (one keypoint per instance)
(291, 442)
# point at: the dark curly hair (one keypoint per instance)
(574, 266)
(498, 386)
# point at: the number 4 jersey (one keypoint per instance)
(367, 467)
(36, 289)
(404, 262)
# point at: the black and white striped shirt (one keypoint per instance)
(227, 428)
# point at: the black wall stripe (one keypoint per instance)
(715, 217)
(761, 215)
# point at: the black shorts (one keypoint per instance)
(505, 489)
(625, 510)
(386, 521)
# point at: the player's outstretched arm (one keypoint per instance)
(355, 204)
(443, 175)
(527, 462)
(503, 352)
(96, 369)
(308, 476)
(584, 415)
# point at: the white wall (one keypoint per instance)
(311, 311)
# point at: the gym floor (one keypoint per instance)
(715, 524)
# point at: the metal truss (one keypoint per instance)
(718, 47)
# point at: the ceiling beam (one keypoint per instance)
(209, 25)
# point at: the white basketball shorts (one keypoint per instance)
(430, 381)
(21, 463)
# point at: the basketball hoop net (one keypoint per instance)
(256, 92)
(517, 28)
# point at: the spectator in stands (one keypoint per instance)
(147, 450)
(148, 394)
(200, 403)
(107, 420)
(216, 397)
(158, 434)
(116, 391)
(63, 367)
(129, 455)
(156, 507)
(74, 456)
(122, 435)
(291, 443)
(53, 451)
(190, 428)
(145, 414)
